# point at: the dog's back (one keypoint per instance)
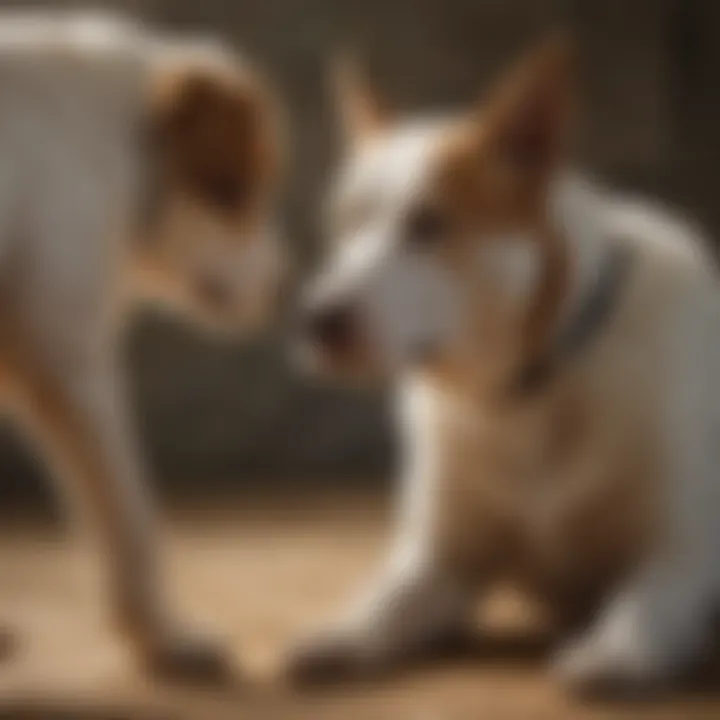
(70, 89)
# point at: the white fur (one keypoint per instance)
(406, 297)
(73, 89)
(651, 381)
(512, 260)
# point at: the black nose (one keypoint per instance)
(332, 327)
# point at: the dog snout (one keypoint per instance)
(332, 327)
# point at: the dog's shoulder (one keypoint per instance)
(672, 269)
(675, 284)
(661, 234)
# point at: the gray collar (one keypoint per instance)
(595, 310)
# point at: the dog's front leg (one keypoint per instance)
(77, 414)
(413, 606)
(424, 594)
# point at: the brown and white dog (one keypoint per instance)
(133, 163)
(555, 347)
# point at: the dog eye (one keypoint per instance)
(427, 226)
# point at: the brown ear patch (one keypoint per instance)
(525, 125)
(497, 160)
(528, 117)
(214, 136)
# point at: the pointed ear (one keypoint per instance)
(361, 113)
(527, 118)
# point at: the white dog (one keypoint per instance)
(131, 163)
(556, 349)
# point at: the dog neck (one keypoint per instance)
(585, 277)
(575, 293)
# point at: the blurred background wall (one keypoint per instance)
(219, 417)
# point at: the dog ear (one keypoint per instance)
(361, 112)
(528, 116)
(210, 133)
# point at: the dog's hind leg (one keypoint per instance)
(77, 416)
(659, 624)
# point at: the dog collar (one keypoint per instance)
(595, 310)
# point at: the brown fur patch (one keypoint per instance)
(528, 117)
(215, 136)
(494, 170)
(482, 198)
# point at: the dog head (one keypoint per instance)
(440, 240)
(208, 244)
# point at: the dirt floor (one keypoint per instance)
(259, 577)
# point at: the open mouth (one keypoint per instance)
(336, 340)
(333, 340)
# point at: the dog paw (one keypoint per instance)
(328, 659)
(181, 656)
(591, 669)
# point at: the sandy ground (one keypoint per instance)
(258, 576)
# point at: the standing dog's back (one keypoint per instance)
(132, 164)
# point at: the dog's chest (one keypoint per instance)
(522, 462)
(551, 489)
